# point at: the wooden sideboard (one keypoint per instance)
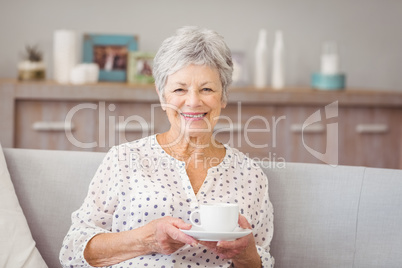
(349, 127)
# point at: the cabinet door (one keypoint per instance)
(247, 128)
(306, 134)
(371, 137)
(56, 125)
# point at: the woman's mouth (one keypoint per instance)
(193, 116)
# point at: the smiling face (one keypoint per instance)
(193, 99)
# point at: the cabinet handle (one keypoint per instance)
(122, 127)
(53, 126)
(372, 128)
(313, 128)
(223, 127)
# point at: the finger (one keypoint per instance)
(243, 223)
(179, 223)
(178, 235)
(238, 243)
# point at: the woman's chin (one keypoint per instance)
(198, 132)
(199, 127)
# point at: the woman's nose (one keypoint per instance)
(193, 99)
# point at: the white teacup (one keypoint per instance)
(217, 217)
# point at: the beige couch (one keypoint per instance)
(324, 216)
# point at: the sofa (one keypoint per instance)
(325, 216)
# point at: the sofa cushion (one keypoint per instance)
(315, 213)
(379, 235)
(17, 247)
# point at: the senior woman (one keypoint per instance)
(144, 191)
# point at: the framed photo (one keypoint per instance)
(140, 66)
(110, 52)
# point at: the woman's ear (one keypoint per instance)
(223, 104)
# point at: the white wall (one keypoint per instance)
(369, 32)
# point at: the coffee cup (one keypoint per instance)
(217, 217)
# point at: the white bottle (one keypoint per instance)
(278, 72)
(261, 61)
(330, 59)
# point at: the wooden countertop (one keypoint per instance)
(49, 90)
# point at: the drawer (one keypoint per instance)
(371, 137)
(57, 125)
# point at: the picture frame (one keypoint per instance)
(110, 52)
(139, 70)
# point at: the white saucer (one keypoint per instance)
(202, 235)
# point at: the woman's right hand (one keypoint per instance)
(166, 237)
(159, 236)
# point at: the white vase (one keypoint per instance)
(261, 61)
(278, 65)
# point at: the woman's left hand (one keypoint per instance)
(242, 250)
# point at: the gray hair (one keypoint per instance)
(192, 45)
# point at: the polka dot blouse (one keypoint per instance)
(138, 182)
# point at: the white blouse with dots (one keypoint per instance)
(138, 182)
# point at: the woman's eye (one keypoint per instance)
(178, 90)
(207, 89)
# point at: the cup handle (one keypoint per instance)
(191, 218)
